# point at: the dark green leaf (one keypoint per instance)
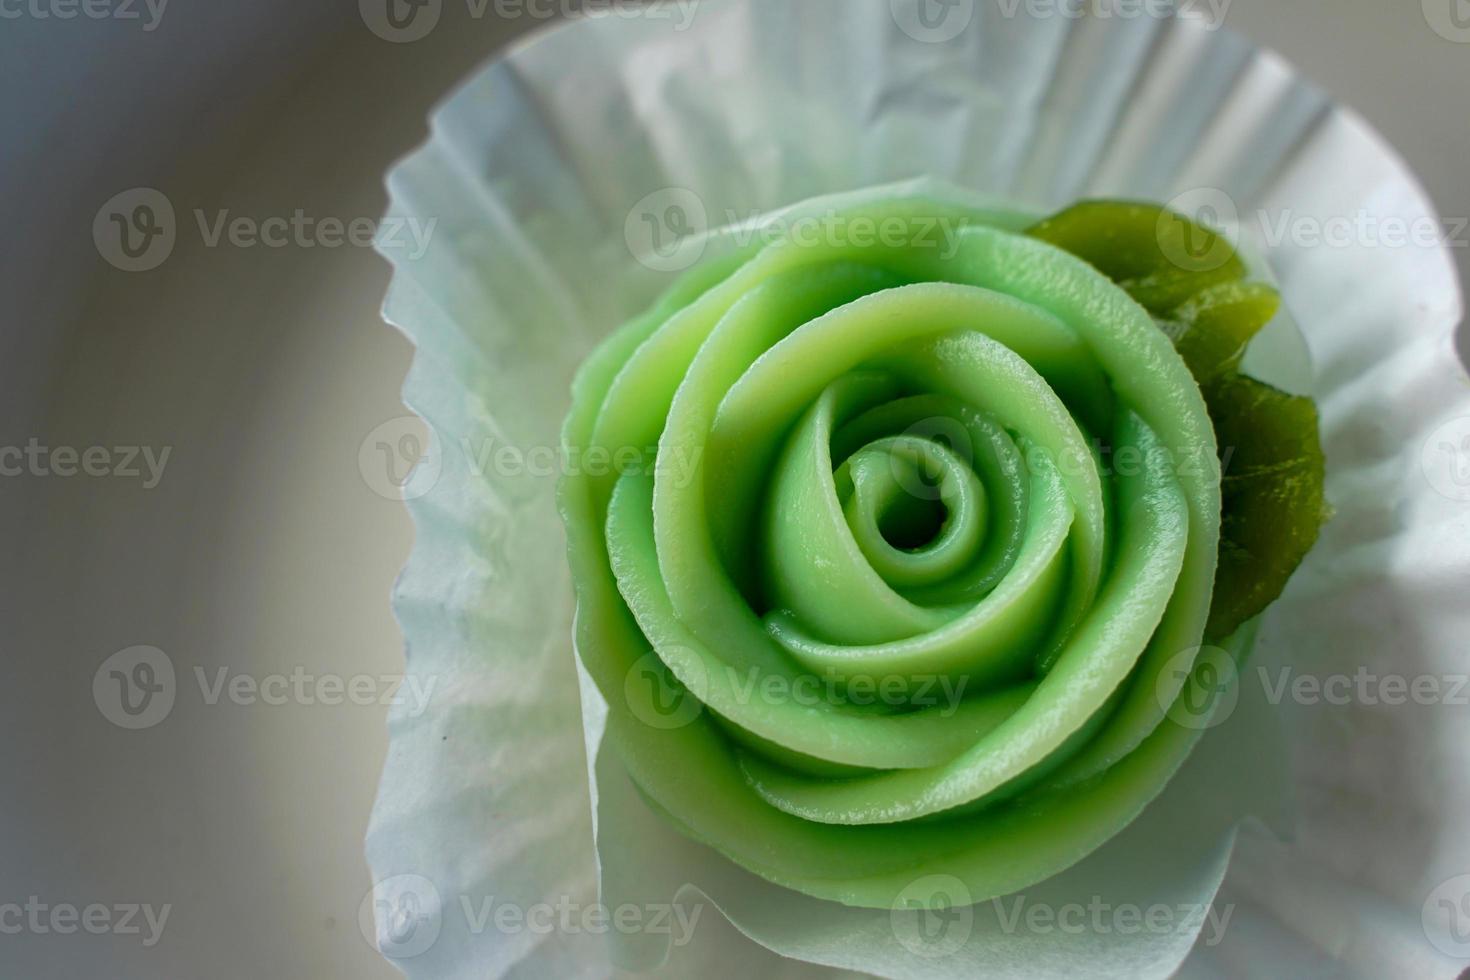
(1194, 284)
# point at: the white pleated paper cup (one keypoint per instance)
(575, 177)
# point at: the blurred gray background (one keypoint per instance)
(265, 549)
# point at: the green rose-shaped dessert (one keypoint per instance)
(931, 546)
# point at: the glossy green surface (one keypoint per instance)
(1197, 288)
(925, 527)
